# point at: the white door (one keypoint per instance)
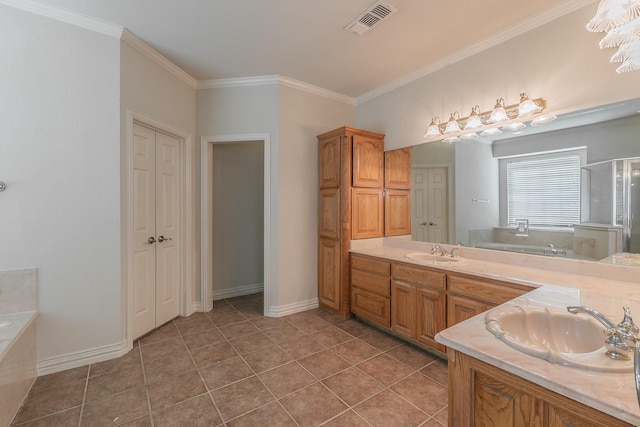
(429, 213)
(156, 218)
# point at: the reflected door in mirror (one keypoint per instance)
(429, 207)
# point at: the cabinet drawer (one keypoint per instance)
(371, 265)
(496, 293)
(371, 282)
(419, 275)
(371, 306)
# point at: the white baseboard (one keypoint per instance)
(296, 307)
(237, 291)
(81, 358)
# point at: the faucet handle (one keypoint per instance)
(627, 322)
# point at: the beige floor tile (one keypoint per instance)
(424, 393)
(313, 405)
(225, 372)
(168, 331)
(301, 347)
(412, 356)
(168, 366)
(347, 419)
(438, 370)
(388, 409)
(324, 364)
(203, 338)
(330, 336)
(61, 378)
(287, 379)
(241, 397)
(385, 369)
(46, 401)
(196, 412)
(284, 333)
(353, 386)
(172, 390)
(68, 418)
(123, 407)
(116, 382)
(272, 414)
(380, 340)
(132, 358)
(213, 353)
(267, 358)
(239, 329)
(251, 342)
(355, 351)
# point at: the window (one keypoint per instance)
(544, 189)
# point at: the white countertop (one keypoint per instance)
(559, 283)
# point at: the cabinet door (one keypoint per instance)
(558, 417)
(397, 168)
(329, 162)
(329, 213)
(460, 309)
(403, 306)
(367, 162)
(431, 317)
(397, 212)
(367, 213)
(329, 273)
(497, 404)
(371, 306)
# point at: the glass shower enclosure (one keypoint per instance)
(611, 196)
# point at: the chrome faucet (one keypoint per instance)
(622, 337)
(437, 248)
(553, 249)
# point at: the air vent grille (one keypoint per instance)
(370, 18)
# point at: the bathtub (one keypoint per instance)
(18, 370)
(525, 249)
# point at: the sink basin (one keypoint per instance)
(554, 335)
(431, 258)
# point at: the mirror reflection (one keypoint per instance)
(569, 189)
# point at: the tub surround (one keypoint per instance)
(559, 283)
(18, 312)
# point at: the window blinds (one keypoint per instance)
(545, 191)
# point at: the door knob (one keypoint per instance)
(151, 240)
(431, 223)
(162, 238)
(424, 223)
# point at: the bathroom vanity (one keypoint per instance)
(440, 304)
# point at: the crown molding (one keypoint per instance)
(139, 45)
(484, 44)
(273, 80)
(62, 15)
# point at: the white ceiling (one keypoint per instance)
(305, 40)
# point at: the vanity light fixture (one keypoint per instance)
(511, 118)
(434, 128)
(452, 124)
(498, 114)
(620, 19)
(527, 107)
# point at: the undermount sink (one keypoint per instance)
(431, 258)
(554, 335)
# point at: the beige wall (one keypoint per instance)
(559, 61)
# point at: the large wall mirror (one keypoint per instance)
(568, 189)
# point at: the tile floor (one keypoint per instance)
(234, 367)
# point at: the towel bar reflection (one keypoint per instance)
(3, 186)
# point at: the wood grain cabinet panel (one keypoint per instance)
(367, 213)
(397, 168)
(329, 162)
(371, 306)
(482, 395)
(431, 316)
(329, 213)
(329, 292)
(403, 308)
(368, 155)
(397, 212)
(461, 308)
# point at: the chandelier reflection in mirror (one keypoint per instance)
(489, 123)
(620, 19)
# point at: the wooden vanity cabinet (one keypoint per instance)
(350, 206)
(470, 296)
(481, 395)
(397, 192)
(370, 289)
(418, 303)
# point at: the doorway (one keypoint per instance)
(224, 286)
(429, 213)
(238, 223)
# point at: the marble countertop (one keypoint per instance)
(559, 283)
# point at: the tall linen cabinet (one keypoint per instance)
(352, 206)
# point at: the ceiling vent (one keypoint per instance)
(371, 18)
